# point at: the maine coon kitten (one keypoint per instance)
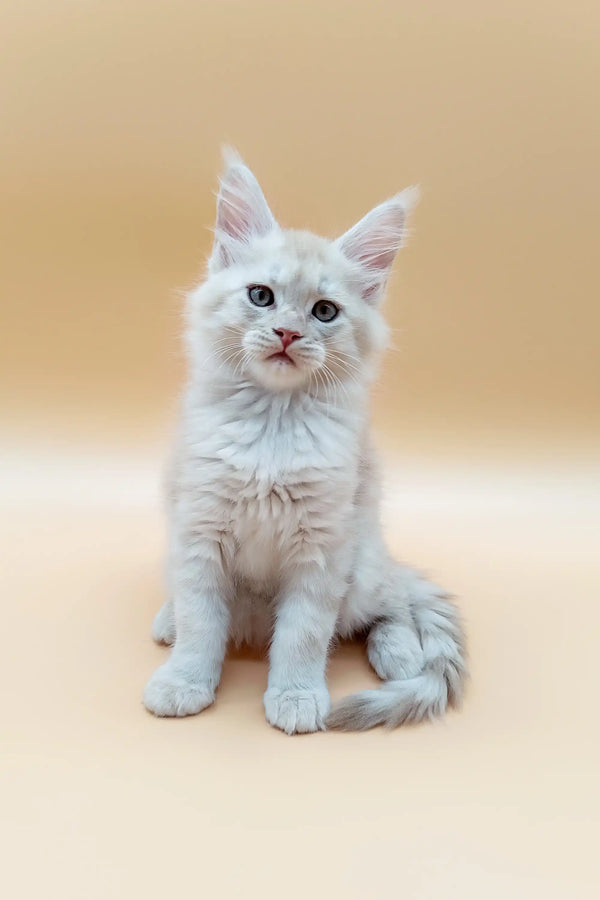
(274, 516)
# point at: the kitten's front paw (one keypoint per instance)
(170, 693)
(295, 711)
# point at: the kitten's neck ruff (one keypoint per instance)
(343, 402)
(274, 436)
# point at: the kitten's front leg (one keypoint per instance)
(297, 699)
(187, 682)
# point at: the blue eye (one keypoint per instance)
(325, 310)
(261, 295)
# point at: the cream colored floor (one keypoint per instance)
(100, 800)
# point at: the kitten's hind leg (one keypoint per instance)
(163, 626)
(394, 648)
(416, 645)
(401, 640)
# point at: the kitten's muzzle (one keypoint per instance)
(282, 355)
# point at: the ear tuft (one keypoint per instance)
(409, 198)
(242, 211)
(374, 241)
(230, 157)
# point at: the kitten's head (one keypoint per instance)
(287, 309)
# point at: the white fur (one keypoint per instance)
(274, 528)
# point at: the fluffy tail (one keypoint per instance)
(424, 696)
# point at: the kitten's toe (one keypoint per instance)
(297, 711)
(163, 626)
(171, 693)
(395, 651)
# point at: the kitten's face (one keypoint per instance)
(290, 315)
(289, 310)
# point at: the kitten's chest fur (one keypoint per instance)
(276, 474)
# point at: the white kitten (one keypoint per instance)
(274, 521)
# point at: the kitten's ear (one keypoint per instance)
(242, 211)
(374, 241)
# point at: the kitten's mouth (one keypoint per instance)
(282, 355)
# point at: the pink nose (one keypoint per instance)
(287, 336)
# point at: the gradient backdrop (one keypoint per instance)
(113, 114)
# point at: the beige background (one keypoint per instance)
(487, 412)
